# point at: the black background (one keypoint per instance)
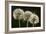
(36, 10)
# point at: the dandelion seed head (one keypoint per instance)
(18, 13)
(27, 15)
(34, 18)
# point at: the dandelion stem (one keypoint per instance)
(19, 23)
(33, 24)
(27, 23)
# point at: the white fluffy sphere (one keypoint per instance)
(27, 15)
(35, 18)
(19, 13)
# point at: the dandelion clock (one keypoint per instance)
(34, 19)
(27, 15)
(18, 14)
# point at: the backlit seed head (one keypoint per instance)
(27, 15)
(18, 13)
(34, 19)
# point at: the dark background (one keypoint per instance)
(36, 10)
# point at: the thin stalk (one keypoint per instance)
(27, 23)
(19, 23)
(33, 24)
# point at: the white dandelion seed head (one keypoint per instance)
(27, 15)
(34, 16)
(19, 13)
